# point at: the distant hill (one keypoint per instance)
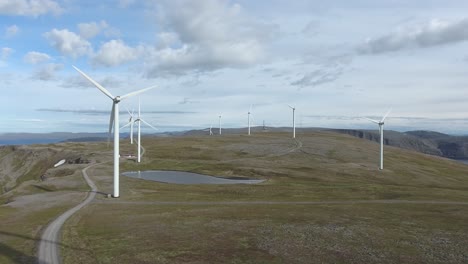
(44, 138)
(428, 142)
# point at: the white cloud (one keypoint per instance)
(11, 31)
(68, 43)
(116, 52)
(125, 3)
(435, 32)
(34, 57)
(48, 72)
(207, 35)
(29, 7)
(78, 82)
(6, 52)
(90, 30)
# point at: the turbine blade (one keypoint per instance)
(385, 116)
(290, 107)
(148, 124)
(137, 92)
(250, 108)
(102, 89)
(111, 124)
(126, 125)
(372, 120)
(128, 111)
(139, 107)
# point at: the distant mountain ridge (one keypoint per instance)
(44, 138)
(428, 142)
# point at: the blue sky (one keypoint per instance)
(336, 61)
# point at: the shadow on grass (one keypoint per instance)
(42, 188)
(21, 257)
(101, 193)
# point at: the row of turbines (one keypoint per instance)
(114, 125)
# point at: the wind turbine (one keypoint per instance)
(220, 124)
(381, 125)
(130, 123)
(209, 130)
(248, 119)
(114, 123)
(294, 123)
(139, 120)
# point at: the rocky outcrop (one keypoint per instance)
(22, 163)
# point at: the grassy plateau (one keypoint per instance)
(324, 201)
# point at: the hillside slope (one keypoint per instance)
(22, 163)
(428, 142)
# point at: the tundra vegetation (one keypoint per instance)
(324, 200)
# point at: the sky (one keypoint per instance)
(335, 61)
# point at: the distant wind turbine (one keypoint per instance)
(210, 130)
(294, 122)
(381, 125)
(248, 119)
(114, 123)
(220, 124)
(139, 120)
(131, 120)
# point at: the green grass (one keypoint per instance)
(329, 167)
(271, 234)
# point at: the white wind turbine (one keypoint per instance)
(294, 122)
(139, 120)
(248, 119)
(130, 123)
(220, 124)
(381, 125)
(114, 123)
(209, 130)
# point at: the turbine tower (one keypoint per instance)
(294, 123)
(220, 124)
(139, 120)
(381, 125)
(248, 119)
(114, 123)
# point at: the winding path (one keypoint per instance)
(48, 250)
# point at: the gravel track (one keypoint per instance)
(48, 250)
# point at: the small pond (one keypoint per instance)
(182, 177)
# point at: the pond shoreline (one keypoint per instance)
(184, 177)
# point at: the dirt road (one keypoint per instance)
(48, 250)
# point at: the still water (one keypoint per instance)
(181, 177)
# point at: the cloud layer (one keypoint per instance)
(205, 36)
(434, 33)
(68, 43)
(32, 8)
